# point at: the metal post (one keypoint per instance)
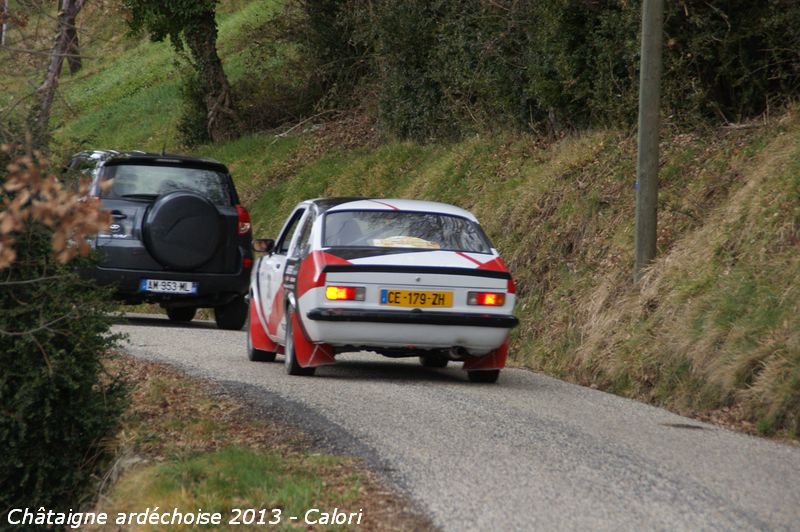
(647, 160)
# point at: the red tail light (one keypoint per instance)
(487, 299)
(345, 293)
(244, 221)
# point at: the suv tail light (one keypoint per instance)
(244, 221)
(487, 299)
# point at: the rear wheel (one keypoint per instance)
(487, 375)
(433, 361)
(231, 316)
(290, 358)
(181, 314)
(256, 355)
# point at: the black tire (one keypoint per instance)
(290, 360)
(253, 354)
(232, 316)
(171, 228)
(181, 314)
(433, 361)
(487, 375)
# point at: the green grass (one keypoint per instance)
(236, 477)
(128, 98)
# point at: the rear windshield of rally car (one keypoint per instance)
(403, 229)
(142, 181)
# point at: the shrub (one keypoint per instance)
(56, 404)
(445, 67)
(723, 60)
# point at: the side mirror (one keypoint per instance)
(263, 245)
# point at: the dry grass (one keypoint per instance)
(186, 444)
(716, 324)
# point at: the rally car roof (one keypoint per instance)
(389, 204)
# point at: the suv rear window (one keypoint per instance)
(144, 180)
(404, 229)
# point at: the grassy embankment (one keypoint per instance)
(713, 331)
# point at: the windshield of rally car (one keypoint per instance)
(404, 229)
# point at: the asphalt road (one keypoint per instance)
(527, 453)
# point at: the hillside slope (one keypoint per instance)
(715, 326)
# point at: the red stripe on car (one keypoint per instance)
(495, 264)
(310, 274)
(462, 254)
(385, 204)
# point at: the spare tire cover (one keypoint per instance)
(182, 230)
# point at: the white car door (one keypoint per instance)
(271, 276)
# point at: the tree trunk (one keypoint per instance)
(222, 121)
(73, 48)
(39, 117)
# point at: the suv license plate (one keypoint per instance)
(167, 287)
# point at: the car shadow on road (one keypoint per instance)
(389, 370)
(157, 320)
(365, 370)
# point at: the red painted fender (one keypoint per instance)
(258, 337)
(308, 354)
(493, 360)
(310, 272)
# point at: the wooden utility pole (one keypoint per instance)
(3, 23)
(647, 160)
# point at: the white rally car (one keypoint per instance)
(397, 277)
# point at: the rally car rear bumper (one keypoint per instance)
(419, 317)
(471, 334)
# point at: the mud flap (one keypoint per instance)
(307, 354)
(494, 360)
(258, 337)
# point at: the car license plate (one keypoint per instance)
(416, 298)
(167, 287)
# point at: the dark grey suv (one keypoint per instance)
(179, 236)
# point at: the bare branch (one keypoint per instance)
(310, 118)
(39, 52)
(31, 281)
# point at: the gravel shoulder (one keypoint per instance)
(529, 452)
